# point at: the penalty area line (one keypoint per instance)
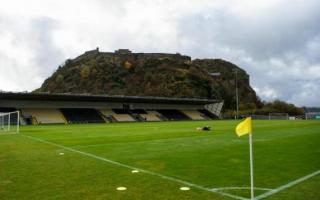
(135, 168)
(288, 185)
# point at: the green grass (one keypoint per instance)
(283, 152)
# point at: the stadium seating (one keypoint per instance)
(193, 114)
(151, 116)
(82, 115)
(107, 114)
(171, 114)
(123, 118)
(44, 116)
(207, 114)
(117, 114)
(123, 115)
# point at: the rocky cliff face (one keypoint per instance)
(150, 74)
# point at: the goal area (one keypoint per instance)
(9, 122)
(277, 116)
(272, 116)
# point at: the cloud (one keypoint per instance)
(276, 41)
(277, 46)
(27, 53)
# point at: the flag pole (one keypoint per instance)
(251, 167)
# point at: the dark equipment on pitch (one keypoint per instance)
(206, 128)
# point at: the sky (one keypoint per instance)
(276, 41)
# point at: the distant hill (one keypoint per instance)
(151, 74)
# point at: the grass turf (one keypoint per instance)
(283, 151)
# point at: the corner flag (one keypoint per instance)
(244, 127)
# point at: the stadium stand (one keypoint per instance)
(43, 116)
(193, 114)
(213, 108)
(123, 118)
(207, 114)
(82, 115)
(117, 114)
(48, 108)
(172, 114)
(123, 115)
(107, 114)
(151, 115)
(137, 114)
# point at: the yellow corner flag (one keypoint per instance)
(244, 127)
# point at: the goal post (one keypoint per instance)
(9, 122)
(277, 116)
(312, 115)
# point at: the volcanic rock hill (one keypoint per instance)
(151, 74)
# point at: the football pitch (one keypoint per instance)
(160, 161)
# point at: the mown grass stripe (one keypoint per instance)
(135, 168)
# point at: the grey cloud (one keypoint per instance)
(276, 48)
(28, 55)
(270, 34)
(47, 55)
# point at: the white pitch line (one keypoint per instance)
(239, 188)
(290, 184)
(135, 168)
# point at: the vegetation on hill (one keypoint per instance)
(153, 74)
(138, 74)
(266, 108)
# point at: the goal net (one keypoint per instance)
(262, 117)
(278, 116)
(312, 115)
(9, 122)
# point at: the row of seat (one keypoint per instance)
(74, 115)
(43, 116)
